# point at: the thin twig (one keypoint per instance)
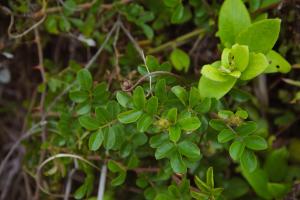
(102, 181)
(16, 144)
(43, 95)
(33, 27)
(152, 74)
(69, 181)
(60, 155)
(88, 65)
(43, 75)
(11, 174)
(177, 42)
(140, 51)
(27, 186)
(81, 7)
(116, 70)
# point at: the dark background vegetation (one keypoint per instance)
(19, 96)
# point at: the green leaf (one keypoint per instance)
(267, 3)
(83, 108)
(260, 36)
(180, 60)
(85, 79)
(254, 5)
(236, 58)
(241, 114)
(152, 105)
(96, 140)
(277, 63)
(172, 115)
(217, 191)
(189, 123)
(225, 114)
(202, 185)
(189, 150)
(101, 93)
(180, 93)
(217, 124)
(110, 138)
(206, 86)
(158, 140)
(203, 106)
(236, 149)
(276, 164)
(152, 63)
(102, 115)
(177, 163)
(213, 73)
(117, 168)
(247, 128)
(233, 18)
(171, 3)
(278, 190)
(119, 180)
(257, 65)
(148, 31)
(160, 90)
(130, 116)
(51, 24)
(226, 135)
(89, 122)
(123, 98)
(230, 186)
(174, 133)
(178, 14)
(248, 160)
(79, 96)
(255, 142)
(210, 177)
(139, 98)
(144, 123)
(164, 150)
(258, 180)
(64, 24)
(199, 195)
(194, 97)
(114, 166)
(80, 192)
(113, 109)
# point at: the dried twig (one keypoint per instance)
(153, 74)
(102, 181)
(33, 27)
(177, 42)
(60, 155)
(69, 181)
(31, 131)
(140, 51)
(43, 95)
(88, 65)
(81, 7)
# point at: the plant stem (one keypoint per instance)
(102, 181)
(177, 42)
